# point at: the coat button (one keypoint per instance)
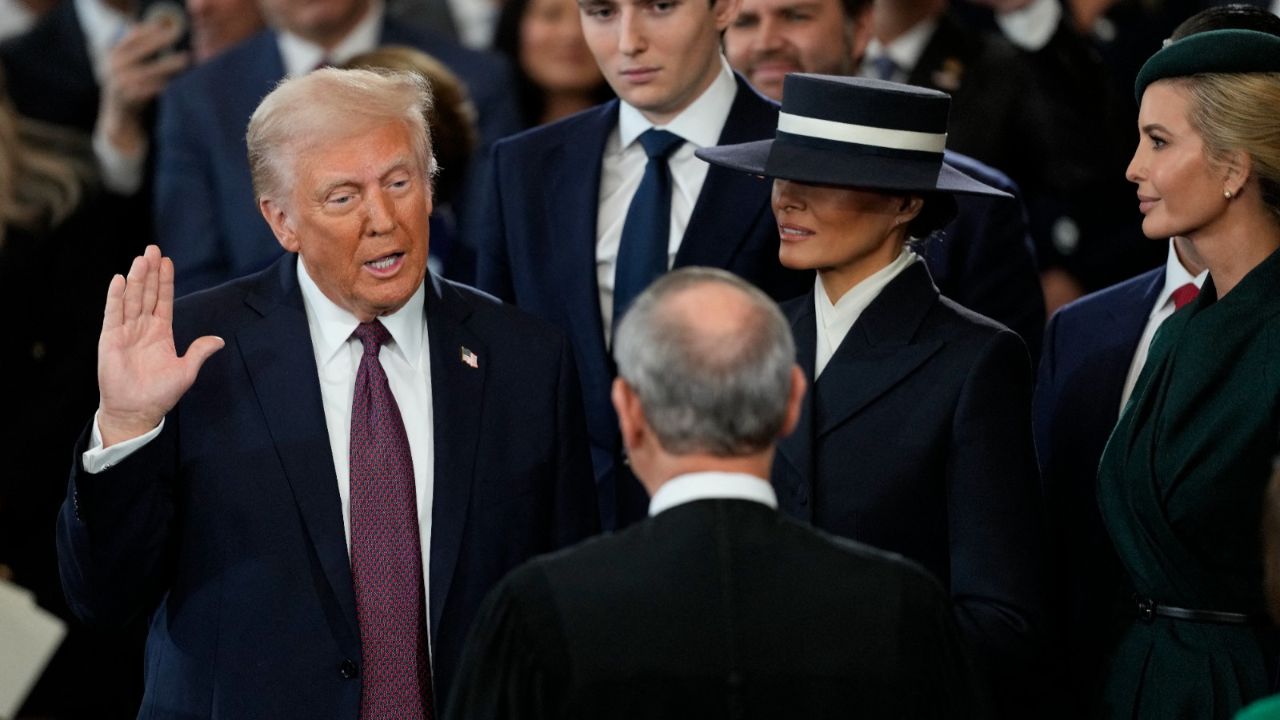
(348, 670)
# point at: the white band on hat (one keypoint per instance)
(862, 134)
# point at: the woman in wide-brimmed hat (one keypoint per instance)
(1181, 482)
(916, 434)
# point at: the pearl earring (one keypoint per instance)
(1226, 194)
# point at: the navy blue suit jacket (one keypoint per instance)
(536, 240)
(916, 439)
(1088, 348)
(228, 526)
(206, 216)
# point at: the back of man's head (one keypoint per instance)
(710, 359)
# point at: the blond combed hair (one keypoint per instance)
(1237, 112)
(328, 106)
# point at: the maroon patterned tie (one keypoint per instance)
(386, 551)
(1184, 295)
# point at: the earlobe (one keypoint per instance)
(1239, 167)
(280, 223)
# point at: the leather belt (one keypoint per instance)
(1149, 610)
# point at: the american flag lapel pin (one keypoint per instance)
(469, 358)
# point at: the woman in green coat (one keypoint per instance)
(1181, 482)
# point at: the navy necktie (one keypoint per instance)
(386, 548)
(642, 254)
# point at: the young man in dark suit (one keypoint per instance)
(205, 215)
(717, 606)
(579, 218)
(313, 501)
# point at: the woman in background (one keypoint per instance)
(1181, 482)
(556, 75)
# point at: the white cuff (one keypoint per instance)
(97, 458)
(121, 173)
(1031, 27)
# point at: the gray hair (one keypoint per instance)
(717, 384)
(326, 106)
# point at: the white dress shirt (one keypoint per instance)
(302, 56)
(1175, 276)
(475, 21)
(835, 320)
(406, 361)
(712, 486)
(622, 168)
(1031, 27)
(905, 50)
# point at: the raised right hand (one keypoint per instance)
(140, 376)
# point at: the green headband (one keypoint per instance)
(1212, 51)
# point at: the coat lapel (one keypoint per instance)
(457, 391)
(731, 202)
(796, 449)
(278, 356)
(879, 351)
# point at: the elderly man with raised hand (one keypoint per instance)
(717, 605)
(313, 501)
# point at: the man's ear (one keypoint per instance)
(794, 401)
(278, 217)
(631, 418)
(724, 12)
(859, 35)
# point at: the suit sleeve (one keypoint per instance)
(485, 231)
(186, 223)
(943, 676)
(996, 519)
(115, 530)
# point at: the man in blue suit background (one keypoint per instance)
(555, 233)
(349, 456)
(205, 214)
(1094, 350)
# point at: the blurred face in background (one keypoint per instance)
(323, 22)
(553, 52)
(771, 38)
(218, 24)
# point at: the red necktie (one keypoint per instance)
(386, 550)
(1184, 295)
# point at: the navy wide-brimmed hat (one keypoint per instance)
(855, 132)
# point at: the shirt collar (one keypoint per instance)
(906, 49)
(712, 486)
(103, 26)
(332, 325)
(302, 56)
(1175, 276)
(843, 313)
(700, 124)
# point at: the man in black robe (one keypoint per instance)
(716, 605)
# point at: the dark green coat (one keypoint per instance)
(1180, 488)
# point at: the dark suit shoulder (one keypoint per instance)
(514, 325)
(593, 120)
(1122, 296)
(213, 79)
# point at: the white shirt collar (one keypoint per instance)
(835, 320)
(334, 324)
(712, 486)
(1175, 276)
(906, 49)
(700, 124)
(302, 56)
(103, 26)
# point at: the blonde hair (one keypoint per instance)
(39, 186)
(326, 106)
(1236, 112)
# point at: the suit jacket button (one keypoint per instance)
(348, 670)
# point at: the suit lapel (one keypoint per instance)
(796, 449)
(571, 212)
(277, 354)
(879, 351)
(457, 391)
(731, 202)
